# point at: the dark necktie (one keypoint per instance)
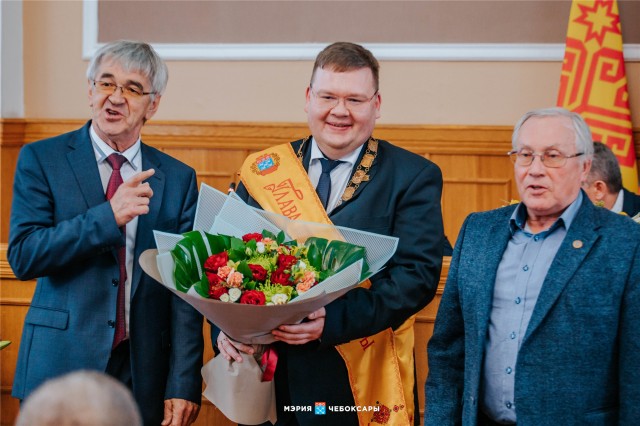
(116, 161)
(324, 183)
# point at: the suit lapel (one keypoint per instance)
(82, 160)
(147, 222)
(579, 240)
(496, 237)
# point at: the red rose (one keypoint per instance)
(215, 261)
(249, 237)
(216, 291)
(214, 279)
(285, 261)
(259, 273)
(253, 297)
(279, 276)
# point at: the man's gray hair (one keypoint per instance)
(132, 56)
(584, 141)
(80, 398)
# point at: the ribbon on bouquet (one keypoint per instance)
(268, 363)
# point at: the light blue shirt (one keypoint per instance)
(519, 278)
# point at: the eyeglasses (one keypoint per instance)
(551, 158)
(130, 92)
(352, 103)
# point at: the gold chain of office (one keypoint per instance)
(360, 174)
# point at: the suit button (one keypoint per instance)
(115, 282)
(111, 323)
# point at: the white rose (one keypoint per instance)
(260, 247)
(224, 297)
(234, 294)
(279, 299)
(302, 265)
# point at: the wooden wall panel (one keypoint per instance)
(477, 176)
(11, 140)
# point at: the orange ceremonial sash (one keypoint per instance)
(380, 367)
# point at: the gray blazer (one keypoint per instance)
(579, 363)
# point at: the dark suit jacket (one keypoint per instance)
(630, 203)
(64, 233)
(578, 362)
(402, 198)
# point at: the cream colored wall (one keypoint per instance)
(413, 92)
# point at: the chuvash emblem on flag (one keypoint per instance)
(593, 82)
(266, 164)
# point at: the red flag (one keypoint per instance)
(594, 82)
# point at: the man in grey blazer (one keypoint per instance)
(539, 322)
(79, 230)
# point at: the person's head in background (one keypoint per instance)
(80, 398)
(604, 181)
(342, 100)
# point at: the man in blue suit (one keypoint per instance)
(539, 322)
(604, 183)
(78, 229)
(377, 187)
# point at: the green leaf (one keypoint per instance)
(340, 255)
(269, 234)
(243, 268)
(332, 257)
(280, 237)
(202, 286)
(316, 247)
(192, 250)
(238, 244)
(4, 343)
(237, 249)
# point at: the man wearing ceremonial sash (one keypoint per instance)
(357, 352)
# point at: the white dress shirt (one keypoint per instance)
(617, 206)
(339, 176)
(130, 168)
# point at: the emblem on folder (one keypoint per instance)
(266, 164)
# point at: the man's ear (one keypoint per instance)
(153, 107)
(599, 189)
(307, 99)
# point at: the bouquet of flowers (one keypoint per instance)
(249, 283)
(259, 268)
(340, 258)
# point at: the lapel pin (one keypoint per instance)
(577, 244)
